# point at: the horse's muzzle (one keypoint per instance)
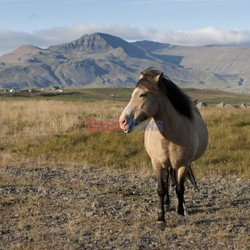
(128, 130)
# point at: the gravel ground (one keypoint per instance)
(98, 208)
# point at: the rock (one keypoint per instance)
(201, 105)
(96, 208)
(244, 106)
(228, 106)
(220, 105)
(225, 105)
(89, 214)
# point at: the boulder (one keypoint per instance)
(228, 106)
(201, 105)
(244, 106)
(221, 105)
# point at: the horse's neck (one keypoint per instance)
(171, 119)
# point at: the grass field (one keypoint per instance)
(64, 187)
(52, 130)
(123, 94)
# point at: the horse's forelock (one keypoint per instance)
(147, 84)
(176, 96)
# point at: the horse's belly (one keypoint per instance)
(202, 141)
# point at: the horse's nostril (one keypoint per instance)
(123, 122)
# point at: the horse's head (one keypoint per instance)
(144, 102)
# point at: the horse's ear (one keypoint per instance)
(141, 75)
(158, 77)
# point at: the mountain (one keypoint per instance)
(103, 60)
(95, 60)
(97, 43)
(152, 46)
(230, 62)
(20, 54)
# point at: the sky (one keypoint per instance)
(185, 22)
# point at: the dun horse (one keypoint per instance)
(180, 135)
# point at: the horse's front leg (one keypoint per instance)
(161, 190)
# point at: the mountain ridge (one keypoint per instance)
(99, 42)
(103, 60)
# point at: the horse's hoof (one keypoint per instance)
(161, 225)
(167, 208)
(186, 210)
(181, 219)
(160, 221)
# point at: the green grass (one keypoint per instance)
(37, 131)
(229, 144)
(114, 149)
(211, 96)
(94, 94)
(227, 154)
(121, 94)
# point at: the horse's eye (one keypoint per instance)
(143, 95)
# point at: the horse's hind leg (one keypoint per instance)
(180, 188)
(172, 176)
(167, 198)
(191, 177)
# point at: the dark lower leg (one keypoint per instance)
(167, 199)
(180, 194)
(161, 212)
(161, 190)
(173, 177)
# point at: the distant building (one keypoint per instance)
(34, 90)
(55, 88)
(114, 96)
(14, 90)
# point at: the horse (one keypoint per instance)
(179, 136)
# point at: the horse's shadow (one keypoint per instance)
(237, 203)
(210, 207)
(214, 207)
(206, 221)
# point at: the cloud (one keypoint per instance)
(205, 36)
(10, 39)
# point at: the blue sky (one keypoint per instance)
(188, 22)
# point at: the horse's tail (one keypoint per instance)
(191, 177)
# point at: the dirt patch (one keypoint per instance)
(96, 208)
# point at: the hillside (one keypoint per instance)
(102, 60)
(229, 61)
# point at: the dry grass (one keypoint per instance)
(99, 208)
(48, 203)
(229, 142)
(49, 132)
